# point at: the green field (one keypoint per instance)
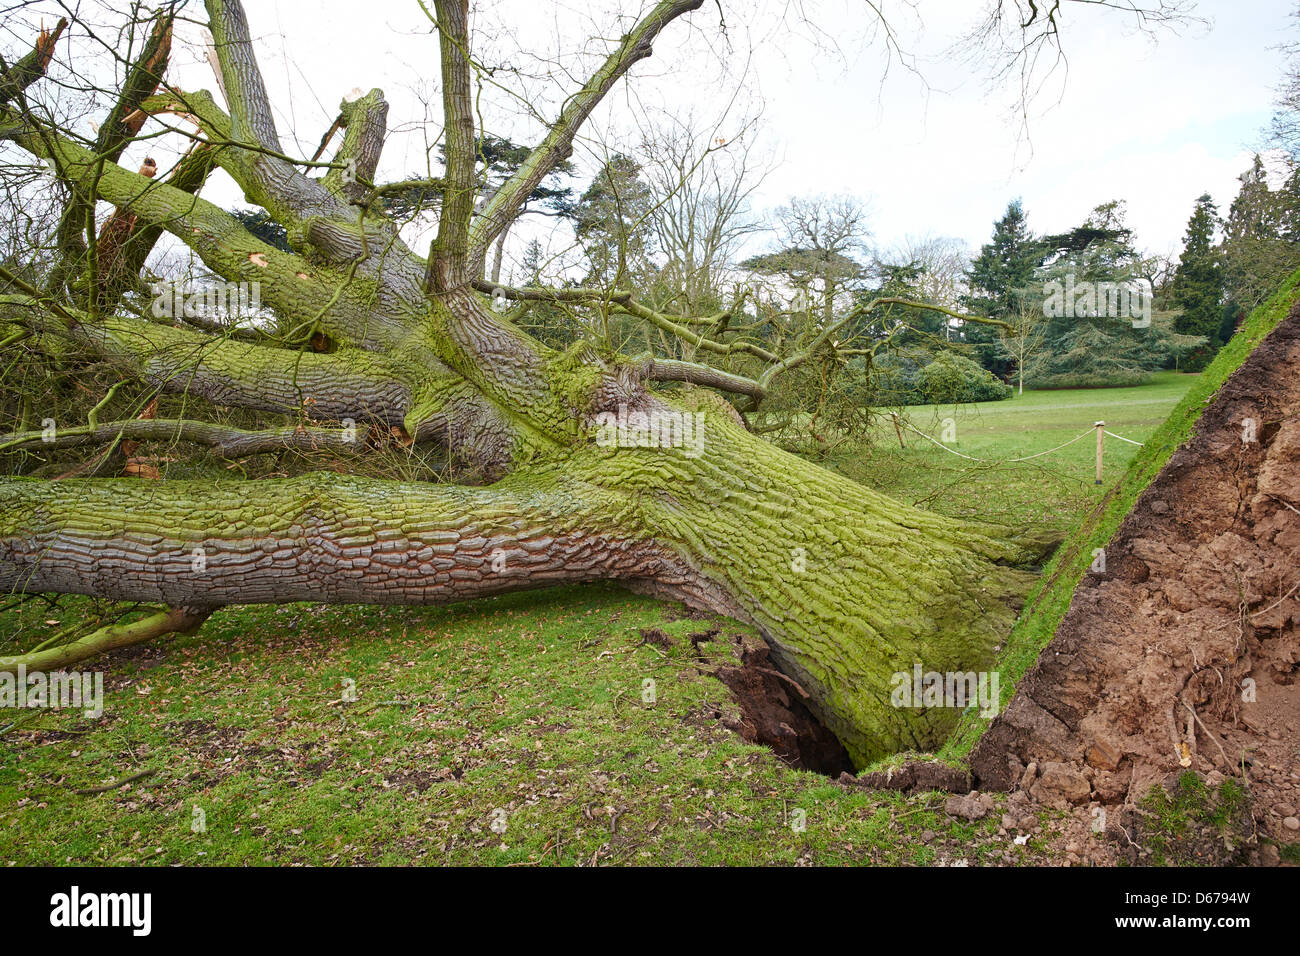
(528, 712)
(1054, 488)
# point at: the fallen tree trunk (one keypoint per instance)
(847, 586)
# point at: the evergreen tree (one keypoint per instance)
(1261, 245)
(532, 263)
(608, 223)
(999, 279)
(550, 322)
(1198, 282)
(904, 281)
(260, 224)
(499, 159)
(1089, 338)
(919, 364)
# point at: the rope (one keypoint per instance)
(1040, 454)
(1122, 438)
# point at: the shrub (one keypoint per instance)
(1093, 380)
(926, 378)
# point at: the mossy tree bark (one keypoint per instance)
(847, 586)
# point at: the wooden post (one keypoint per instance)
(898, 428)
(1101, 446)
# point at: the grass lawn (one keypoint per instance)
(518, 730)
(529, 712)
(1054, 489)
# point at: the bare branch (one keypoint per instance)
(625, 302)
(558, 144)
(226, 441)
(695, 373)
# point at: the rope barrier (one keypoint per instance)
(1122, 438)
(910, 427)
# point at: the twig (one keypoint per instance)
(114, 786)
(789, 680)
(1277, 602)
(1191, 711)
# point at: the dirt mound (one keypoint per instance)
(916, 775)
(1183, 653)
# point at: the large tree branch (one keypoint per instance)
(340, 234)
(364, 121)
(271, 179)
(319, 537)
(225, 441)
(556, 146)
(349, 383)
(250, 107)
(408, 388)
(449, 257)
(17, 77)
(334, 299)
(696, 373)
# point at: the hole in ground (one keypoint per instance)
(772, 713)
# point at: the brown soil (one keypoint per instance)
(773, 714)
(1150, 671)
(916, 776)
(653, 635)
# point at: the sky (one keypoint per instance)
(930, 146)
(1153, 123)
